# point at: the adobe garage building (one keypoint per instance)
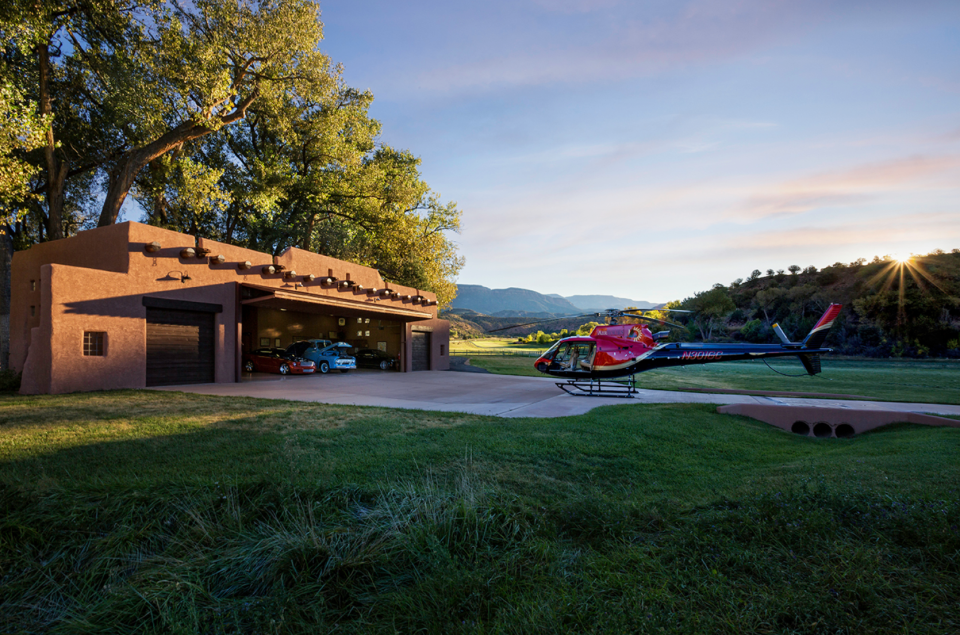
(131, 306)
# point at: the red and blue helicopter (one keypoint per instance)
(617, 350)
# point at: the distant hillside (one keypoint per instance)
(491, 301)
(591, 303)
(465, 324)
(890, 309)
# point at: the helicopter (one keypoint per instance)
(617, 350)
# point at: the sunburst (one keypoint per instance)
(894, 271)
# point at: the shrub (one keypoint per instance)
(9, 381)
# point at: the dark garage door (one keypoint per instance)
(421, 351)
(180, 347)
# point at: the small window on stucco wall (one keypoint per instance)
(93, 343)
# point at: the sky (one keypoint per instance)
(650, 149)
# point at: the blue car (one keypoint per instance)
(325, 354)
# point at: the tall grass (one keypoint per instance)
(457, 557)
(148, 512)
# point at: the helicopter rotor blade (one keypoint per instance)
(650, 319)
(516, 326)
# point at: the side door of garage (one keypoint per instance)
(421, 350)
(180, 346)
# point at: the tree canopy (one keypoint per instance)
(221, 118)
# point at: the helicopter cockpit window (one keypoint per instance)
(551, 351)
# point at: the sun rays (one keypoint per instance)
(895, 270)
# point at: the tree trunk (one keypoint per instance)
(56, 170)
(307, 241)
(134, 160)
(121, 179)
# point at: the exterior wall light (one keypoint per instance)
(152, 248)
(188, 253)
(243, 266)
(183, 277)
(217, 260)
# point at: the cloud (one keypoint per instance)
(618, 41)
(576, 6)
(853, 186)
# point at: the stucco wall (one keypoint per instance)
(76, 300)
(439, 343)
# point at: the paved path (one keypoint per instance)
(488, 394)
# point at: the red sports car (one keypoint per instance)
(276, 360)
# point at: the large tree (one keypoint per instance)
(200, 67)
(313, 174)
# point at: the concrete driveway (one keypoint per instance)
(487, 394)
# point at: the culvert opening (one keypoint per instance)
(845, 431)
(822, 430)
(800, 427)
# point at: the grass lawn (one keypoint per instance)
(139, 511)
(933, 381)
(495, 345)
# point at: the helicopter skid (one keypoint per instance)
(580, 388)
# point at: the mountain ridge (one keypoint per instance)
(524, 301)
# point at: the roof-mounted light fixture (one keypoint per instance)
(183, 277)
(151, 248)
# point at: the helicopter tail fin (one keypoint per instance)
(819, 332)
(811, 363)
